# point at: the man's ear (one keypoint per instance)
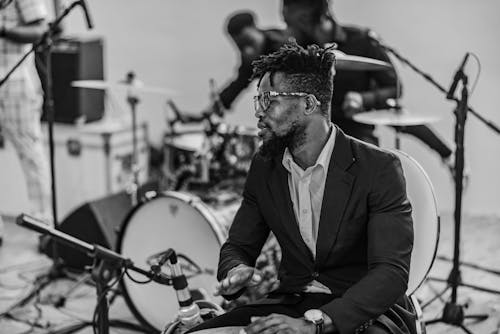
(311, 104)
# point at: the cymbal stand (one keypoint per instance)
(133, 100)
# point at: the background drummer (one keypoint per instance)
(355, 91)
(252, 42)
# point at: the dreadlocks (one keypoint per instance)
(307, 70)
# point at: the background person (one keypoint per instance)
(22, 22)
(311, 22)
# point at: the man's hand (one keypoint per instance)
(279, 323)
(237, 278)
(353, 104)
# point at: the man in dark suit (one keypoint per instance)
(337, 206)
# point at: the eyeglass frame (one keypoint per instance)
(271, 93)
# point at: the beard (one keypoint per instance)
(276, 144)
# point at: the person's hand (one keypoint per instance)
(280, 323)
(237, 278)
(353, 104)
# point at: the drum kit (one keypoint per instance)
(193, 215)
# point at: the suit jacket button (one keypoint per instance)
(315, 274)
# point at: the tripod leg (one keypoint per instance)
(465, 329)
(61, 299)
(437, 296)
(478, 317)
(480, 288)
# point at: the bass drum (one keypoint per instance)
(187, 225)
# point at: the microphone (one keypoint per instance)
(458, 75)
(87, 15)
(189, 311)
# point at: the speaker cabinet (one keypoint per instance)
(97, 222)
(75, 59)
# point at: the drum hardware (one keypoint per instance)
(133, 88)
(220, 151)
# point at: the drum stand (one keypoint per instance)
(133, 100)
(104, 269)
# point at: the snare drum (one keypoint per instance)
(183, 152)
(191, 227)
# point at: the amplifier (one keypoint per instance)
(75, 59)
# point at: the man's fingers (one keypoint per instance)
(232, 283)
(269, 324)
(256, 278)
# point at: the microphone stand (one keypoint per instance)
(453, 313)
(104, 268)
(45, 44)
(488, 123)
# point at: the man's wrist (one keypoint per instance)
(316, 318)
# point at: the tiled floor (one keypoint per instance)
(20, 263)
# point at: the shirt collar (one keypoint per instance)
(323, 158)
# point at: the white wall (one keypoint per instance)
(181, 44)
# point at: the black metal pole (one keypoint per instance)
(461, 116)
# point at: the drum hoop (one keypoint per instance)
(438, 218)
(190, 199)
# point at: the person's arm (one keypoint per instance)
(390, 241)
(248, 232)
(235, 87)
(384, 82)
(27, 33)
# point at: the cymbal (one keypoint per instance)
(393, 117)
(347, 62)
(136, 86)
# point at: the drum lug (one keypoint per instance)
(149, 195)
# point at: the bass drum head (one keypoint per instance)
(425, 220)
(171, 220)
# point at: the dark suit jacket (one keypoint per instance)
(365, 233)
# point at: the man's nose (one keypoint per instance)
(259, 112)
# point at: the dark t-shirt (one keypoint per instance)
(375, 86)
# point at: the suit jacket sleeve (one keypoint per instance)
(248, 232)
(390, 241)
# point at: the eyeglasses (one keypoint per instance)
(263, 101)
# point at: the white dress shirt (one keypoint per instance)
(306, 192)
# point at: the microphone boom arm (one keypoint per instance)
(430, 79)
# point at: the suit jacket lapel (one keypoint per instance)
(278, 186)
(338, 188)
